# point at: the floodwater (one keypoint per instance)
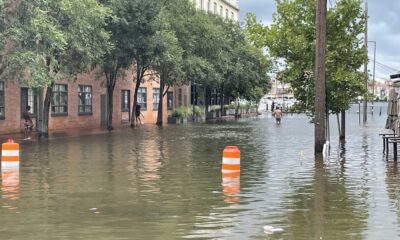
(151, 183)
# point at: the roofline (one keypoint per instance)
(230, 4)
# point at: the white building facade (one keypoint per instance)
(228, 9)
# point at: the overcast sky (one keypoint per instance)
(383, 27)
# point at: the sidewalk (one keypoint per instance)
(19, 137)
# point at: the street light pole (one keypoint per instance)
(320, 96)
(365, 108)
(373, 76)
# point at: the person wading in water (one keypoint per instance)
(278, 115)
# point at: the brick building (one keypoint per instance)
(83, 103)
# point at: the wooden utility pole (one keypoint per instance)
(320, 95)
(365, 107)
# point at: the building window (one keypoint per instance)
(180, 97)
(125, 100)
(2, 105)
(170, 97)
(232, 16)
(156, 98)
(221, 11)
(142, 98)
(59, 105)
(201, 4)
(215, 8)
(209, 6)
(84, 99)
(28, 98)
(227, 14)
(195, 3)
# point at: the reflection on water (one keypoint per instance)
(153, 183)
(10, 182)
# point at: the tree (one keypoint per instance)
(53, 40)
(291, 39)
(142, 27)
(123, 25)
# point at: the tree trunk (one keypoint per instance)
(110, 94)
(206, 99)
(44, 127)
(343, 130)
(139, 75)
(222, 100)
(111, 76)
(160, 103)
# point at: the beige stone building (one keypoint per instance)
(228, 9)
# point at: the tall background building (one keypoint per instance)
(228, 9)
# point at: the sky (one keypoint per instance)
(383, 27)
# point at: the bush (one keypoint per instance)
(198, 111)
(180, 112)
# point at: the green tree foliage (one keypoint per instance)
(2, 35)
(140, 17)
(53, 40)
(221, 57)
(291, 39)
(168, 62)
(132, 27)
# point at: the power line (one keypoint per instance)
(392, 69)
(382, 69)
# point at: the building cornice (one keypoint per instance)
(231, 5)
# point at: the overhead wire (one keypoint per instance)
(387, 67)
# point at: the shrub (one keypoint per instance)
(198, 111)
(180, 112)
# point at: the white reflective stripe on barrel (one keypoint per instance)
(5, 165)
(231, 160)
(230, 171)
(10, 153)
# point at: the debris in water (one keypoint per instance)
(272, 230)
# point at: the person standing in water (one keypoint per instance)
(278, 115)
(28, 124)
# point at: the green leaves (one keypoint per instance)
(52, 38)
(291, 37)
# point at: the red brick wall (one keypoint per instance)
(12, 121)
(73, 119)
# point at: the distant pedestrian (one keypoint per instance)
(278, 115)
(138, 114)
(28, 124)
(272, 106)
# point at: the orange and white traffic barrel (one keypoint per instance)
(9, 154)
(231, 159)
(231, 174)
(10, 169)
